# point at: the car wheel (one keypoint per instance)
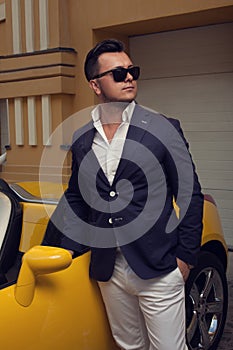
(206, 303)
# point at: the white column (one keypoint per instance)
(29, 24)
(32, 135)
(2, 11)
(8, 139)
(16, 26)
(46, 119)
(19, 130)
(44, 27)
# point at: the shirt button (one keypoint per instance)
(112, 194)
(110, 221)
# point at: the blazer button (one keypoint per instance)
(112, 194)
(118, 219)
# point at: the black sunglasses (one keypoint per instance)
(120, 73)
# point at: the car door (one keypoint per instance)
(53, 310)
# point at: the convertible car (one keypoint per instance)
(47, 299)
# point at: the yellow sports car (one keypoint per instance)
(47, 299)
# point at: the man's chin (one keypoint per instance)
(127, 99)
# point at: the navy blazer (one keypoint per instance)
(150, 236)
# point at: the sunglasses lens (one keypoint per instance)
(120, 74)
(135, 72)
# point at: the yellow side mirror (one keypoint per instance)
(38, 260)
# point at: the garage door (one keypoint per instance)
(188, 74)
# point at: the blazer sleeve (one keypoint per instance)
(190, 227)
(54, 234)
(66, 224)
(76, 211)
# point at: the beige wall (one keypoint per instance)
(77, 25)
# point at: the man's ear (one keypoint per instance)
(95, 86)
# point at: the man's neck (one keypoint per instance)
(111, 113)
(111, 117)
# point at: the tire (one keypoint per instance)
(206, 303)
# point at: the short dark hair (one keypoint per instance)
(91, 62)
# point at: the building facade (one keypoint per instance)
(184, 48)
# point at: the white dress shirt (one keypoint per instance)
(108, 152)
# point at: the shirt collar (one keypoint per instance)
(126, 115)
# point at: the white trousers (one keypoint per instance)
(145, 314)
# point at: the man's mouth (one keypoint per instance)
(128, 87)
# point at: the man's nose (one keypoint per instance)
(128, 77)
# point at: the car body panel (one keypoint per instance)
(212, 228)
(65, 308)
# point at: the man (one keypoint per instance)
(140, 265)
